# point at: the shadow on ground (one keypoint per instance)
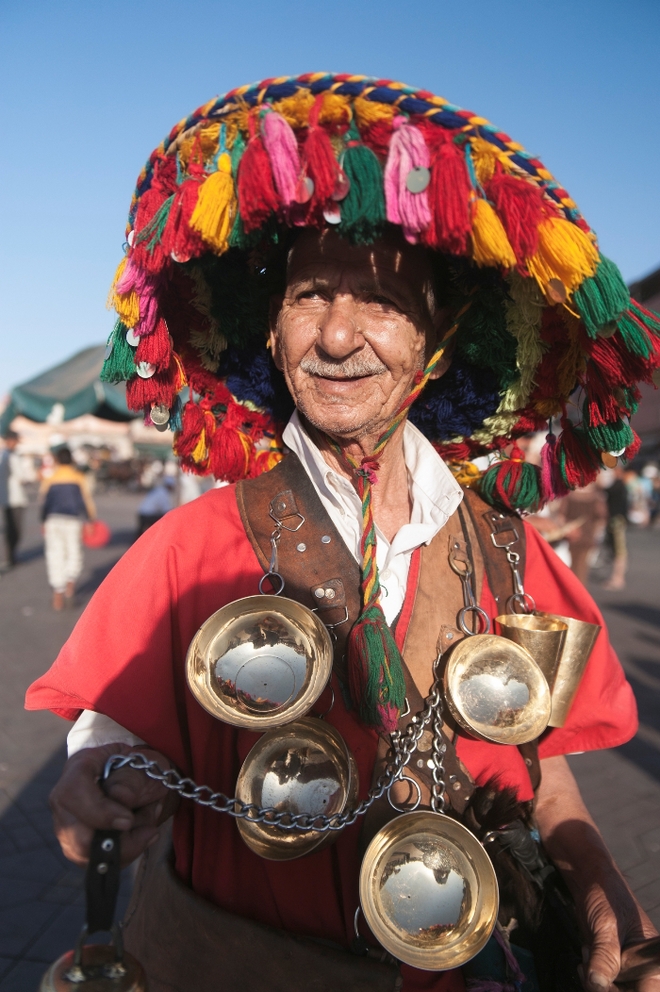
(41, 893)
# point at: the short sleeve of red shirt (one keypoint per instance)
(604, 712)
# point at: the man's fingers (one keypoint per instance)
(135, 842)
(93, 808)
(604, 962)
(134, 789)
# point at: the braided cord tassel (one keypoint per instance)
(375, 673)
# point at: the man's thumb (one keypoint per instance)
(604, 964)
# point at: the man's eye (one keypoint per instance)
(382, 301)
(310, 295)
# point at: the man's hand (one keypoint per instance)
(131, 802)
(610, 915)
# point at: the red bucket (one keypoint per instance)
(96, 534)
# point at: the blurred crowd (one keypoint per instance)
(588, 528)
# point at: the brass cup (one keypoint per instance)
(542, 636)
(428, 891)
(304, 767)
(578, 645)
(496, 691)
(259, 662)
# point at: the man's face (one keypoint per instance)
(354, 327)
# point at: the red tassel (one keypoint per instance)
(520, 207)
(163, 185)
(449, 194)
(633, 449)
(602, 405)
(155, 348)
(257, 198)
(160, 388)
(180, 241)
(577, 462)
(193, 425)
(320, 164)
(377, 137)
(232, 449)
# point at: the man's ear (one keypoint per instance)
(441, 324)
(274, 308)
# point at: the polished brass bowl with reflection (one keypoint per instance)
(496, 691)
(304, 767)
(428, 891)
(259, 662)
(542, 635)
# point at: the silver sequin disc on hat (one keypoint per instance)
(132, 338)
(617, 454)
(145, 370)
(418, 179)
(130, 239)
(342, 187)
(108, 350)
(304, 190)
(332, 216)
(160, 414)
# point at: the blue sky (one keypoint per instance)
(88, 89)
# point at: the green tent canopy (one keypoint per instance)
(74, 385)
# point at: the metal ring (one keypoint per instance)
(332, 703)
(408, 809)
(522, 599)
(270, 576)
(483, 618)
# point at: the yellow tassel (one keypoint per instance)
(334, 109)
(485, 157)
(566, 254)
(295, 109)
(200, 452)
(127, 305)
(214, 213)
(465, 473)
(490, 245)
(205, 140)
(367, 112)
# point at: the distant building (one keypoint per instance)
(647, 419)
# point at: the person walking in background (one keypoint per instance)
(587, 509)
(617, 521)
(156, 504)
(66, 501)
(12, 496)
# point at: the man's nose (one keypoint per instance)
(339, 327)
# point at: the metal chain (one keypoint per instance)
(404, 744)
(438, 802)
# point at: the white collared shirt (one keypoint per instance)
(434, 495)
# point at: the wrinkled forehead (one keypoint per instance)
(388, 261)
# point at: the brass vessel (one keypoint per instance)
(542, 635)
(304, 767)
(259, 662)
(428, 891)
(580, 640)
(496, 691)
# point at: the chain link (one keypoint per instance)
(404, 744)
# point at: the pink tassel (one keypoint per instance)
(408, 151)
(146, 287)
(282, 149)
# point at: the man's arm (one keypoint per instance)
(610, 915)
(129, 802)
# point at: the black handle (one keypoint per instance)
(102, 880)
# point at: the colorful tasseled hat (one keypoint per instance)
(215, 211)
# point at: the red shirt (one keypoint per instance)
(126, 659)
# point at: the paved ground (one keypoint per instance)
(41, 904)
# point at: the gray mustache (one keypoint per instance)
(352, 368)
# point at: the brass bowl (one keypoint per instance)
(259, 662)
(304, 767)
(428, 891)
(496, 691)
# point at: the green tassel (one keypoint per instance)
(119, 365)
(651, 321)
(513, 484)
(375, 673)
(602, 298)
(363, 209)
(634, 337)
(610, 437)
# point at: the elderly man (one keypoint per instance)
(357, 330)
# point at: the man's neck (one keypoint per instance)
(391, 493)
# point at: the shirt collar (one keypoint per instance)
(434, 492)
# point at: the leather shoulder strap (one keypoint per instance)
(318, 569)
(495, 531)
